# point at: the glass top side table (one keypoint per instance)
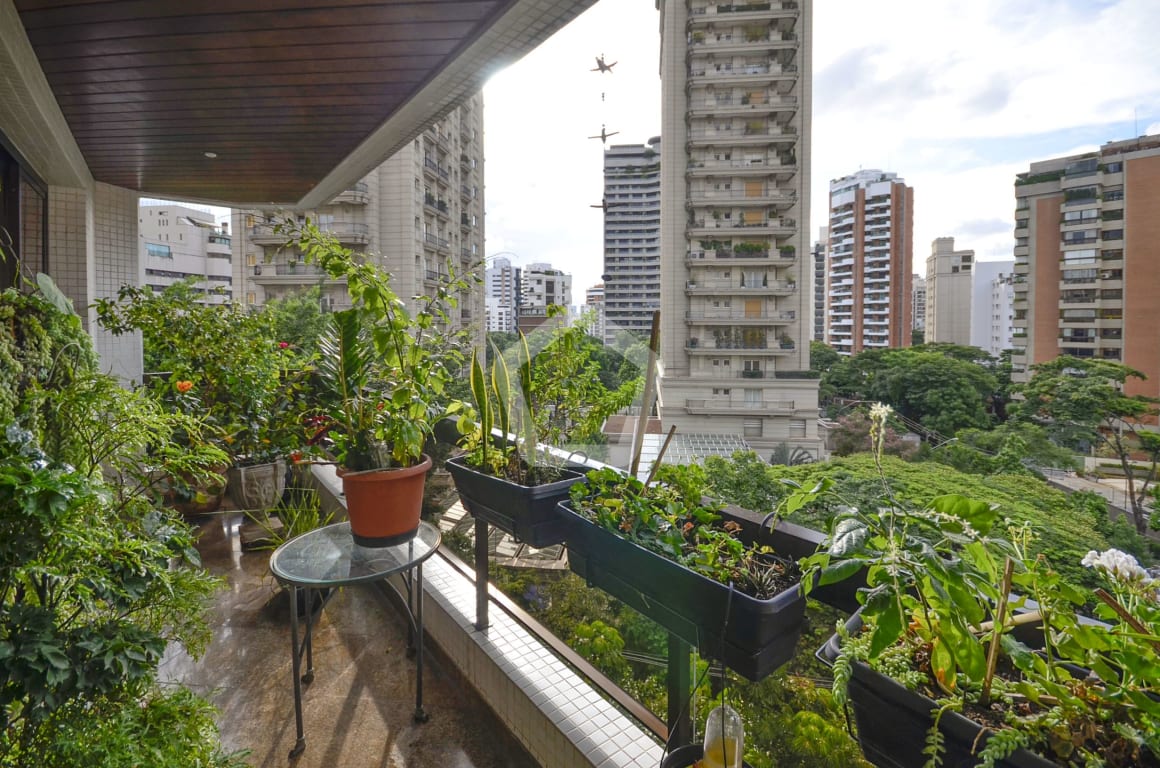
(327, 558)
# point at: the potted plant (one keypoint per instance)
(706, 574)
(509, 480)
(970, 649)
(383, 371)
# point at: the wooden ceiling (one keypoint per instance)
(281, 91)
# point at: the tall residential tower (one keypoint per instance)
(632, 246)
(949, 282)
(1087, 246)
(869, 295)
(735, 192)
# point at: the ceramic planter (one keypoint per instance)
(259, 486)
(200, 498)
(760, 635)
(893, 721)
(527, 512)
(384, 505)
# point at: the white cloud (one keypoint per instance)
(944, 92)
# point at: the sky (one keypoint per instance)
(956, 97)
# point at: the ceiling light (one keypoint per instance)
(211, 155)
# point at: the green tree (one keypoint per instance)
(1087, 401)
(600, 644)
(297, 319)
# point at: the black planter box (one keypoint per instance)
(526, 512)
(893, 721)
(761, 634)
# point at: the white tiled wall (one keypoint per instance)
(69, 245)
(115, 263)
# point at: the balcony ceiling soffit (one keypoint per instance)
(297, 99)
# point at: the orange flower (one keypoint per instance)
(184, 386)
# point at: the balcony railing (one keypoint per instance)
(724, 405)
(736, 317)
(434, 167)
(726, 287)
(436, 241)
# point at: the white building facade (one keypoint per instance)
(179, 243)
(501, 291)
(949, 282)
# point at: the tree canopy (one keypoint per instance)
(1083, 401)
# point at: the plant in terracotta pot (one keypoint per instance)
(707, 574)
(971, 650)
(383, 371)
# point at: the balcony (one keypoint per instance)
(724, 406)
(748, 349)
(740, 12)
(357, 194)
(756, 136)
(434, 241)
(722, 227)
(766, 196)
(737, 258)
(432, 168)
(742, 107)
(732, 288)
(718, 317)
(348, 233)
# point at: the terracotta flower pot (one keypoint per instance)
(383, 505)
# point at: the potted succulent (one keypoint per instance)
(509, 480)
(706, 574)
(971, 650)
(383, 372)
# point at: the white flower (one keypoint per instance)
(1118, 565)
(880, 412)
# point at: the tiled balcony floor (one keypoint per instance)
(358, 709)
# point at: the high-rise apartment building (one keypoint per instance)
(632, 246)
(983, 307)
(1087, 246)
(594, 303)
(1001, 313)
(735, 195)
(500, 290)
(918, 302)
(540, 287)
(868, 299)
(419, 214)
(178, 243)
(821, 249)
(949, 281)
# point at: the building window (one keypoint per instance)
(797, 427)
(752, 428)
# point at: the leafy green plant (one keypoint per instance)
(217, 362)
(945, 582)
(385, 369)
(299, 511)
(674, 519)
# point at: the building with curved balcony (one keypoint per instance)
(420, 214)
(735, 191)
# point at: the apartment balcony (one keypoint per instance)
(768, 195)
(739, 41)
(756, 349)
(466, 193)
(746, 136)
(702, 74)
(348, 233)
(731, 288)
(775, 167)
(434, 241)
(358, 194)
(290, 274)
(720, 318)
(717, 228)
(724, 406)
(729, 106)
(434, 170)
(437, 206)
(704, 15)
(726, 257)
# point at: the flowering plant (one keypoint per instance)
(217, 362)
(947, 586)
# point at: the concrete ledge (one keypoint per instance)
(561, 719)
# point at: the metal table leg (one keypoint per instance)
(296, 665)
(421, 715)
(481, 574)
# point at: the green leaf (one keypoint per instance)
(979, 514)
(849, 535)
(834, 573)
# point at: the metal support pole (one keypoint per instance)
(420, 713)
(481, 574)
(296, 666)
(680, 688)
